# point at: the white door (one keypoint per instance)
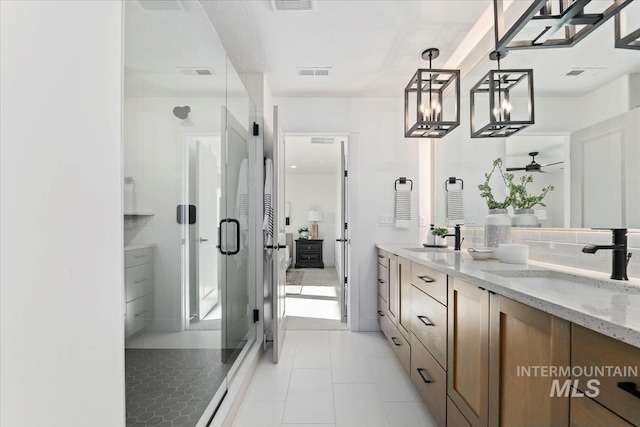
(206, 223)
(279, 239)
(344, 232)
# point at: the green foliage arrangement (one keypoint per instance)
(517, 195)
(440, 231)
(487, 193)
(523, 200)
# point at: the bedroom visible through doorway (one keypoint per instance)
(315, 203)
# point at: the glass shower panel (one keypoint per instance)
(190, 289)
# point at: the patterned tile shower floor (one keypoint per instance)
(171, 387)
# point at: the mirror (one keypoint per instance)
(587, 129)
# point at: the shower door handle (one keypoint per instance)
(219, 245)
(237, 223)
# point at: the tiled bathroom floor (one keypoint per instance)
(332, 378)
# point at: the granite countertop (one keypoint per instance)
(142, 246)
(587, 298)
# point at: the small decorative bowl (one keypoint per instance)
(480, 254)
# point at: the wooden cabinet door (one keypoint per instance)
(522, 336)
(393, 306)
(404, 278)
(468, 350)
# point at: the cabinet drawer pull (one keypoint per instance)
(380, 281)
(630, 388)
(140, 281)
(426, 279)
(394, 339)
(380, 313)
(425, 379)
(140, 256)
(140, 314)
(426, 321)
(380, 256)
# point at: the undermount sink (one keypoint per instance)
(543, 278)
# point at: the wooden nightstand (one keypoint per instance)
(309, 253)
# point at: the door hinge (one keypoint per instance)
(256, 315)
(256, 129)
(346, 226)
(346, 174)
(345, 280)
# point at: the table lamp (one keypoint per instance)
(315, 217)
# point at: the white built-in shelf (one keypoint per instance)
(139, 213)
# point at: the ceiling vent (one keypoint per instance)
(584, 71)
(314, 71)
(322, 140)
(163, 5)
(196, 71)
(291, 5)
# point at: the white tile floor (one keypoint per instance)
(332, 378)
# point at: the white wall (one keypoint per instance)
(378, 155)
(313, 192)
(61, 312)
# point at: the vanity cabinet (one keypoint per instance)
(468, 350)
(522, 336)
(138, 290)
(404, 284)
(586, 412)
(383, 287)
(620, 394)
(393, 301)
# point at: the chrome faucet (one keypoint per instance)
(620, 258)
(456, 235)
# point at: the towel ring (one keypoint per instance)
(453, 180)
(402, 180)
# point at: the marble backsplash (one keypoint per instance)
(564, 246)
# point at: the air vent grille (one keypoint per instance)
(574, 73)
(292, 4)
(314, 71)
(160, 5)
(322, 140)
(196, 71)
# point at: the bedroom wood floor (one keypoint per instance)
(317, 307)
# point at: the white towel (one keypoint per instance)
(267, 224)
(403, 209)
(242, 196)
(454, 207)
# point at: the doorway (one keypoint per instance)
(315, 216)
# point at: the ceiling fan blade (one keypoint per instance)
(551, 164)
(515, 169)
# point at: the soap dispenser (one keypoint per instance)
(431, 238)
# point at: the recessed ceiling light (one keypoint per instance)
(293, 166)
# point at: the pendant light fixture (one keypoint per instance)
(425, 113)
(625, 39)
(505, 98)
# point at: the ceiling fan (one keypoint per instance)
(533, 166)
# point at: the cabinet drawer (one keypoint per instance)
(588, 413)
(430, 380)
(383, 282)
(138, 281)
(381, 256)
(381, 312)
(302, 256)
(589, 348)
(136, 316)
(400, 345)
(135, 257)
(430, 281)
(309, 247)
(454, 416)
(429, 324)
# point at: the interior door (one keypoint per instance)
(207, 203)
(344, 232)
(279, 238)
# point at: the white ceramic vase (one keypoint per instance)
(524, 218)
(497, 228)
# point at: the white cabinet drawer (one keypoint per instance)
(138, 281)
(137, 313)
(135, 257)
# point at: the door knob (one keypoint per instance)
(203, 240)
